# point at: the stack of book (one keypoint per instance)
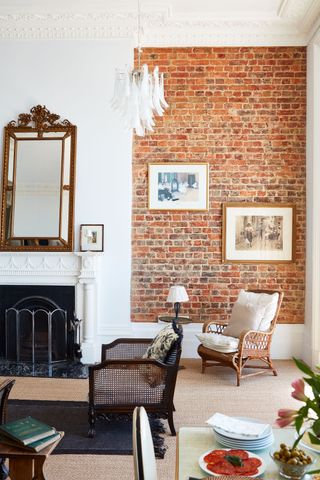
(29, 434)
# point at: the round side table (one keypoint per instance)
(168, 319)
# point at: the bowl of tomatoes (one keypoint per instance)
(232, 462)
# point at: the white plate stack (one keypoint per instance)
(241, 437)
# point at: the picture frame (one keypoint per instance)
(178, 186)
(258, 232)
(91, 237)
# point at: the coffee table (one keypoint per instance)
(24, 465)
(192, 442)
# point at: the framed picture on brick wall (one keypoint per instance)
(178, 186)
(258, 233)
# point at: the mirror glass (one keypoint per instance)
(37, 200)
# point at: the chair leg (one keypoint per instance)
(203, 366)
(92, 421)
(274, 371)
(4, 472)
(171, 424)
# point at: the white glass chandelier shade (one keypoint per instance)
(139, 96)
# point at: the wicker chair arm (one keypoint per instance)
(254, 340)
(210, 326)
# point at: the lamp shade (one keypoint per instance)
(177, 293)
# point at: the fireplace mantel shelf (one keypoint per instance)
(78, 265)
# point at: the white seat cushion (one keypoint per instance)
(244, 317)
(218, 342)
(270, 302)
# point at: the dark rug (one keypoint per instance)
(113, 432)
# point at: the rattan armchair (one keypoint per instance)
(124, 380)
(253, 345)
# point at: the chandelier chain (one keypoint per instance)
(139, 35)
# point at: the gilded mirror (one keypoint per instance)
(38, 178)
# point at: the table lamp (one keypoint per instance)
(177, 294)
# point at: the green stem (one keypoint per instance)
(298, 439)
(312, 472)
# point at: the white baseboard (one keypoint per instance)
(287, 340)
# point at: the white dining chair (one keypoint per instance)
(143, 451)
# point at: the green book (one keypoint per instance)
(33, 446)
(26, 430)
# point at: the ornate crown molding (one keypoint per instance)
(293, 9)
(161, 27)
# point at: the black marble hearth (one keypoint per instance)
(29, 369)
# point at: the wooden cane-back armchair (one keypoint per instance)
(124, 380)
(253, 345)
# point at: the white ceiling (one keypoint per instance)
(165, 22)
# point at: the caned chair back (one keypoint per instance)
(143, 450)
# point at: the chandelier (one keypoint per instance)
(138, 94)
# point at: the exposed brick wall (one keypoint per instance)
(243, 111)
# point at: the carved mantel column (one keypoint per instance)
(88, 295)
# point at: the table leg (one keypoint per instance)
(38, 468)
(21, 468)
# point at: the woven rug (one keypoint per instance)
(113, 432)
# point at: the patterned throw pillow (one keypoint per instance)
(161, 344)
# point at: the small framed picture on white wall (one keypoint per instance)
(91, 237)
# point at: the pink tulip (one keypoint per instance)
(286, 417)
(284, 422)
(286, 413)
(298, 392)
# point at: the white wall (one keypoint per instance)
(75, 80)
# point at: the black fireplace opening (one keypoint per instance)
(37, 324)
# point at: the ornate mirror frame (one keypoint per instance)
(39, 124)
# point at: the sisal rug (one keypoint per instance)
(113, 432)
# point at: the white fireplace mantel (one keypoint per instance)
(54, 268)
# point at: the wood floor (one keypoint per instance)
(197, 398)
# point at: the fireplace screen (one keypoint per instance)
(36, 331)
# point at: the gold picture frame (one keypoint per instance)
(178, 186)
(258, 232)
